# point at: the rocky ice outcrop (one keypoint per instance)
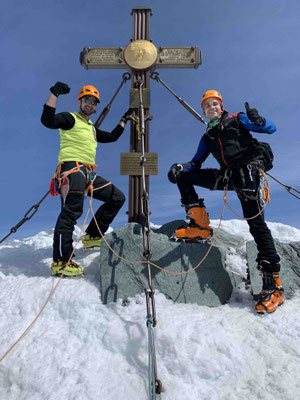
(290, 267)
(210, 284)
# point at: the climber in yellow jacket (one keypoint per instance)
(78, 143)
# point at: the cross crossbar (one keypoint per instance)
(113, 58)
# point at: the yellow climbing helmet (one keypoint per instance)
(212, 94)
(88, 90)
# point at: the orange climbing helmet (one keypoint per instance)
(88, 90)
(212, 94)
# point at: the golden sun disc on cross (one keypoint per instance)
(140, 55)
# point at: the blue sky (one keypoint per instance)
(250, 53)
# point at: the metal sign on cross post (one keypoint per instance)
(141, 57)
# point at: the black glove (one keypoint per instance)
(60, 88)
(253, 115)
(174, 173)
(126, 116)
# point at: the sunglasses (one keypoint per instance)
(90, 101)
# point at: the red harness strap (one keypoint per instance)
(60, 178)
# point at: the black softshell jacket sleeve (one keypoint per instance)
(108, 137)
(50, 120)
(66, 121)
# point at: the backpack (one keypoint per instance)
(265, 153)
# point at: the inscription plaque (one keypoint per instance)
(102, 57)
(131, 164)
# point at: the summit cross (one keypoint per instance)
(140, 57)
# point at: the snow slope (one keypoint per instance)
(80, 349)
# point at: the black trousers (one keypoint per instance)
(245, 181)
(72, 199)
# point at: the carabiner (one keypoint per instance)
(227, 176)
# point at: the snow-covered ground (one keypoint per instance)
(80, 349)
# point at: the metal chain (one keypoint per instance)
(154, 383)
(26, 217)
(125, 77)
(156, 77)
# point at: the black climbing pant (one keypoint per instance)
(245, 181)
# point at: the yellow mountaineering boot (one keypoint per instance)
(71, 269)
(90, 242)
(271, 296)
(197, 226)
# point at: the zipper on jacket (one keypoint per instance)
(222, 154)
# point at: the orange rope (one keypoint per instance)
(150, 262)
(53, 290)
(244, 218)
(266, 195)
(48, 299)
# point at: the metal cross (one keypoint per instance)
(141, 57)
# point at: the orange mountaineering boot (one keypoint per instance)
(197, 227)
(271, 296)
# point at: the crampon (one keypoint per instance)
(272, 295)
(70, 270)
(197, 228)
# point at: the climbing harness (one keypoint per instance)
(125, 77)
(60, 179)
(27, 217)
(263, 193)
(156, 77)
(290, 189)
(55, 184)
